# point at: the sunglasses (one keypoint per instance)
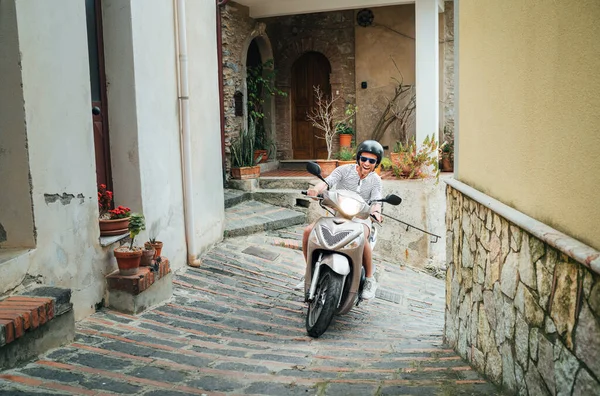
(370, 160)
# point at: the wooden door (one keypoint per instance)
(311, 69)
(98, 108)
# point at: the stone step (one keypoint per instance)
(253, 216)
(234, 197)
(285, 198)
(292, 183)
(293, 164)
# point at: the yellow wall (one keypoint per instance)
(529, 108)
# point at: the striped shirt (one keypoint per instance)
(346, 177)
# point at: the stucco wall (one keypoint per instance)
(144, 126)
(392, 35)
(56, 93)
(207, 173)
(16, 213)
(528, 85)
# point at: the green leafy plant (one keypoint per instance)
(447, 150)
(260, 83)
(242, 147)
(136, 225)
(346, 154)
(343, 128)
(386, 163)
(413, 160)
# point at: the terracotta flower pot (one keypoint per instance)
(264, 153)
(128, 260)
(147, 256)
(345, 140)
(447, 165)
(248, 172)
(327, 166)
(114, 227)
(157, 246)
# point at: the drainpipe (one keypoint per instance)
(186, 141)
(221, 3)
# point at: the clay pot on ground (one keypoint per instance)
(128, 260)
(114, 227)
(327, 166)
(147, 256)
(157, 246)
(247, 172)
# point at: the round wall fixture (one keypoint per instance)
(365, 17)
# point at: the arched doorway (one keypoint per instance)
(258, 99)
(310, 70)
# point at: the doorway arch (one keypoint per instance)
(309, 70)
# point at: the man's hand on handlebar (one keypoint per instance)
(311, 192)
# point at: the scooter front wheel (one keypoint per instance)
(323, 307)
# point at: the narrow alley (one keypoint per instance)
(236, 326)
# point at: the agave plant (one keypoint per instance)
(242, 147)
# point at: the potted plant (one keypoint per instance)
(346, 155)
(112, 221)
(346, 132)
(128, 257)
(243, 164)
(153, 244)
(325, 116)
(447, 156)
(260, 84)
(413, 160)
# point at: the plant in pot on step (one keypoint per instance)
(111, 221)
(129, 257)
(243, 163)
(153, 244)
(346, 155)
(346, 133)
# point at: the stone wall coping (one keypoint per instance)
(578, 251)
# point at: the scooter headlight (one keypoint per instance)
(349, 206)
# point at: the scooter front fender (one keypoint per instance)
(337, 262)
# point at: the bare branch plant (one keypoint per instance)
(327, 113)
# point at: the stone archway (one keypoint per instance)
(341, 79)
(257, 50)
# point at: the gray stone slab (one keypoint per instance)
(261, 253)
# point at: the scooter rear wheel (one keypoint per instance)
(323, 307)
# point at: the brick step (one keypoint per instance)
(27, 323)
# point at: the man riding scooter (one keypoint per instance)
(362, 179)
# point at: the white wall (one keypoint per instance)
(205, 122)
(16, 213)
(56, 93)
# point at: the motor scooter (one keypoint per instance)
(335, 276)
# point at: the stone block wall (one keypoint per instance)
(237, 30)
(520, 311)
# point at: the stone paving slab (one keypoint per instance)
(235, 326)
(250, 217)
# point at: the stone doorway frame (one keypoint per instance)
(284, 82)
(266, 52)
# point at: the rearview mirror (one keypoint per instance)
(393, 199)
(314, 169)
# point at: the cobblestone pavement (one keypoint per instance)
(235, 326)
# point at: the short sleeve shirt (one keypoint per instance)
(346, 177)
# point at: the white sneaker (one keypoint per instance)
(369, 289)
(300, 286)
